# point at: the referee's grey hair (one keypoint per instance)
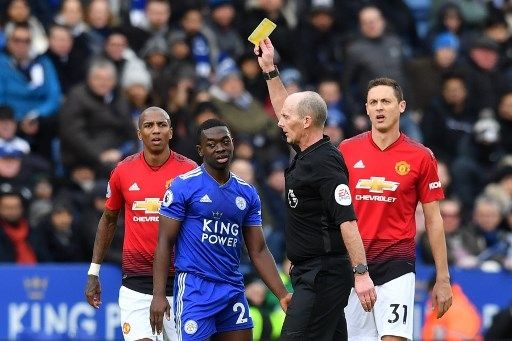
(313, 104)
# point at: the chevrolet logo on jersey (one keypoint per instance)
(377, 184)
(149, 205)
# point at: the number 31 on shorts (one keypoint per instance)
(396, 313)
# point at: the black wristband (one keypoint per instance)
(272, 74)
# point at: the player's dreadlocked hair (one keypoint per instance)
(213, 122)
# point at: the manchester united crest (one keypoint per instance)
(126, 328)
(402, 167)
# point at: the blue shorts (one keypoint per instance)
(203, 308)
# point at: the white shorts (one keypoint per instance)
(391, 315)
(135, 317)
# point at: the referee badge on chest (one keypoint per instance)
(292, 199)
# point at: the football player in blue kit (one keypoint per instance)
(204, 214)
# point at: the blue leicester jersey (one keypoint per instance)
(212, 215)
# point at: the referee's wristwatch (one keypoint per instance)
(360, 269)
(271, 74)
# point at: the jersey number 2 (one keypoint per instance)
(239, 306)
(395, 313)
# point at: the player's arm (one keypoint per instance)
(265, 264)
(276, 89)
(442, 291)
(167, 232)
(104, 235)
(363, 284)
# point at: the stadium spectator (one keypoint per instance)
(200, 40)
(292, 80)
(222, 24)
(374, 53)
(96, 124)
(486, 78)
(462, 244)
(337, 125)
(118, 51)
(29, 85)
(284, 35)
(8, 138)
(505, 120)
(71, 16)
(19, 13)
(60, 237)
(155, 54)
(321, 43)
(251, 76)
(244, 113)
(90, 217)
(100, 21)
(445, 59)
(450, 118)
(70, 63)
(17, 245)
(476, 162)
(154, 24)
(487, 218)
(449, 18)
(41, 203)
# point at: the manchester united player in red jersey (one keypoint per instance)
(138, 183)
(389, 174)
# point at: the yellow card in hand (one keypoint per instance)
(262, 31)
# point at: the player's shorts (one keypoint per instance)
(391, 314)
(204, 308)
(135, 316)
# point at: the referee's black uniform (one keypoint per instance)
(317, 204)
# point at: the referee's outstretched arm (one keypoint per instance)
(363, 284)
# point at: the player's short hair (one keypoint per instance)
(312, 104)
(387, 82)
(151, 109)
(211, 123)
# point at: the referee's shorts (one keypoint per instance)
(321, 289)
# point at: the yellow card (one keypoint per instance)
(262, 31)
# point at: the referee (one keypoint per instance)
(325, 266)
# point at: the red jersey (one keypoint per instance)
(140, 188)
(386, 186)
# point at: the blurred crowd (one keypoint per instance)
(75, 75)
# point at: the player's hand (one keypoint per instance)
(266, 59)
(441, 297)
(285, 301)
(93, 291)
(365, 290)
(159, 307)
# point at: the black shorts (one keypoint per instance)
(321, 289)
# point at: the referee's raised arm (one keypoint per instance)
(276, 88)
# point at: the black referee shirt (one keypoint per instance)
(318, 201)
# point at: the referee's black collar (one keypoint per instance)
(325, 139)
